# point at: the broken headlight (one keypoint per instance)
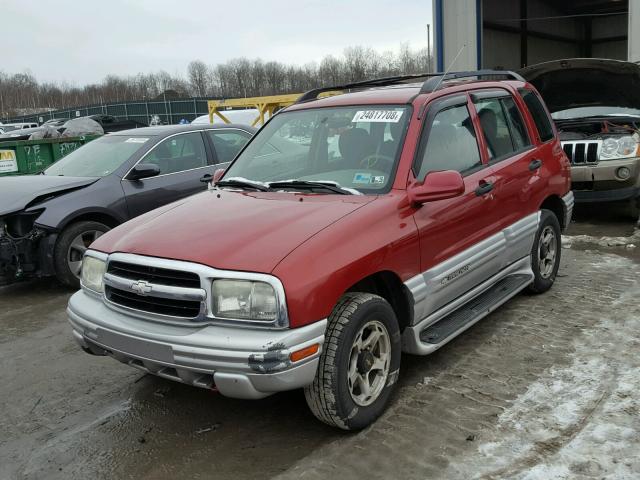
(93, 270)
(244, 300)
(614, 148)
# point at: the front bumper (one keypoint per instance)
(239, 362)
(600, 182)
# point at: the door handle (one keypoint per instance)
(535, 164)
(484, 188)
(206, 178)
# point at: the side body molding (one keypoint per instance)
(435, 289)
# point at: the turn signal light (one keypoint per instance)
(304, 353)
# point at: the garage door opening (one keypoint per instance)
(525, 32)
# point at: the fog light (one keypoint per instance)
(623, 173)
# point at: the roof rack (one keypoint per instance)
(376, 82)
(432, 83)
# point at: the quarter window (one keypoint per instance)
(539, 114)
(178, 153)
(452, 143)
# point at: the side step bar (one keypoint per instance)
(458, 321)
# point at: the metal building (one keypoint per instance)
(509, 34)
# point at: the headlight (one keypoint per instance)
(93, 270)
(244, 300)
(619, 147)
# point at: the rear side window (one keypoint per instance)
(452, 143)
(539, 114)
(502, 126)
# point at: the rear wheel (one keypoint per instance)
(545, 253)
(359, 364)
(70, 247)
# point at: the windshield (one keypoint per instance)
(600, 111)
(98, 158)
(355, 147)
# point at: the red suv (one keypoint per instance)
(350, 229)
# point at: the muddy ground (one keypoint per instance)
(546, 387)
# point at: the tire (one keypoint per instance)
(632, 209)
(332, 397)
(70, 246)
(545, 271)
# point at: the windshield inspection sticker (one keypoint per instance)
(377, 116)
(8, 161)
(136, 140)
(377, 179)
(362, 178)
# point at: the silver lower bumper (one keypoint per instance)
(238, 362)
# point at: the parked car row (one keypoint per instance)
(348, 230)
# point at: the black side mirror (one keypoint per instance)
(143, 170)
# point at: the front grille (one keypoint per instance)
(582, 152)
(161, 276)
(124, 275)
(161, 306)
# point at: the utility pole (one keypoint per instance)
(428, 48)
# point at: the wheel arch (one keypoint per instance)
(105, 218)
(389, 286)
(555, 204)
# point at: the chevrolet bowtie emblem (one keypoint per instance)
(141, 287)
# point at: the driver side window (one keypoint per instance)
(178, 153)
(452, 143)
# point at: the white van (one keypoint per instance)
(241, 117)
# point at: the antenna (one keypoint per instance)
(446, 72)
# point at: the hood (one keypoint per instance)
(19, 192)
(231, 230)
(586, 82)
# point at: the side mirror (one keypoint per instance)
(436, 186)
(143, 170)
(217, 175)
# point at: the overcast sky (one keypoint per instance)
(80, 41)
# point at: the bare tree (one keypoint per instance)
(239, 77)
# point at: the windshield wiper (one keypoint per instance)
(305, 184)
(242, 183)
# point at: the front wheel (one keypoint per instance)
(359, 364)
(545, 253)
(70, 247)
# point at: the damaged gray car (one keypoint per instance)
(47, 221)
(595, 104)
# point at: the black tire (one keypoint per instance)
(632, 209)
(543, 281)
(61, 253)
(329, 396)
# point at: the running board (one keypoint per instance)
(477, 308)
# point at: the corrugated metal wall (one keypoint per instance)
(171, 111)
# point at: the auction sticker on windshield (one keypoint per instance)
(136, 140)
(377, 116)
(8, 161)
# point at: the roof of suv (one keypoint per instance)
(402, 93)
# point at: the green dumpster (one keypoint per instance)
(31, 156)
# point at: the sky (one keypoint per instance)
(80, 42)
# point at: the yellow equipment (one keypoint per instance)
(265, 106)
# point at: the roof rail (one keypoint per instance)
(434, 82)
(376, 82)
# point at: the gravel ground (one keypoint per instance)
(544, 388)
